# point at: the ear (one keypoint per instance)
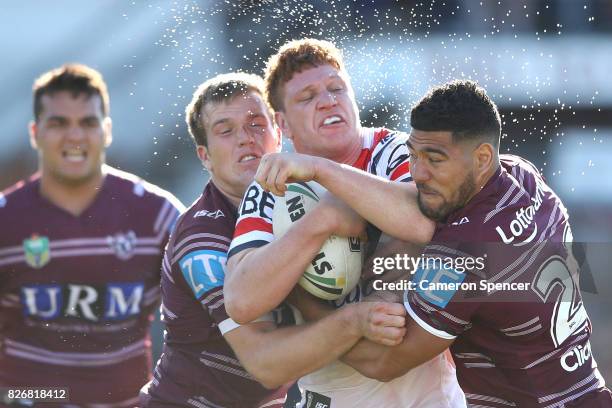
(484, 156)
(280, 119)
(204, 156)
(32, 130)
(279, 139)
(107, 125)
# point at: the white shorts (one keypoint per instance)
(431, 385)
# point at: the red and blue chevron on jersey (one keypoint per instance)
(384, 153)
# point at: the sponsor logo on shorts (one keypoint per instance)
(354, 244)
(316, 400)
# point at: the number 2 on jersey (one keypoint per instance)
(569, 314)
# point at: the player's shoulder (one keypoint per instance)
(389, 154)
(135, 189)
(204, 229)
(516, 198)
(210, 214)
(21, 194)
(379, 138)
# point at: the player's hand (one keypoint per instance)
(339, 217)
(277, 169)
(383, 323)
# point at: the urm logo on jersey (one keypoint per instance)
(114, 301)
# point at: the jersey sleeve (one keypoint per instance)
(254, 224)
(445, 293)
(204, 273)
(390, 158)
(199, 260)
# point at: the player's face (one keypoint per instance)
(239, 132)
(320, 113)
(443, 172)
(71, 136)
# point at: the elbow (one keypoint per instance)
(270, 383)
(237, 306)
(239, 310)
(268, 378)
(425, 231)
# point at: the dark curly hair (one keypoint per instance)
(460, 107)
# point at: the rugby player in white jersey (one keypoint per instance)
(310, 91)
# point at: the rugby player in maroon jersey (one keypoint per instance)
(81, 247)
(524, 343)
(209, 360)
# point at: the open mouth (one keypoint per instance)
(332, 120)
(74, 155)
(248, 158)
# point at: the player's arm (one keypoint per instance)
(362, 191)
(378, 361)
(259, 279)
(278, 356)
(386, 363)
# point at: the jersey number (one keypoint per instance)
(569, 314)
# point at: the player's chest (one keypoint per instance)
(74, 269)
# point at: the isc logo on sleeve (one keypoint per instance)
(437, 285)
(203, 270)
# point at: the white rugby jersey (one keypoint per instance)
(434, 383)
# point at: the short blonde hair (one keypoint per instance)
(294, 57)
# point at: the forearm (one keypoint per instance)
(286, 354)
(367, 357)
(363, 192)
(376, 361)
(262, 279)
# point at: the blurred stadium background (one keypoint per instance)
(545, 62)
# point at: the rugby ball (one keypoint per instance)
(336, 269)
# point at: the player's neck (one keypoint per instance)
(73, 198)
(351, 154)
(486, 177)
(231, 195)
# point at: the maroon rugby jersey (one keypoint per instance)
(525, 345)
(198, 367)
(77, 292)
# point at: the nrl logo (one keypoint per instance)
(123, 244)
(36, 250)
